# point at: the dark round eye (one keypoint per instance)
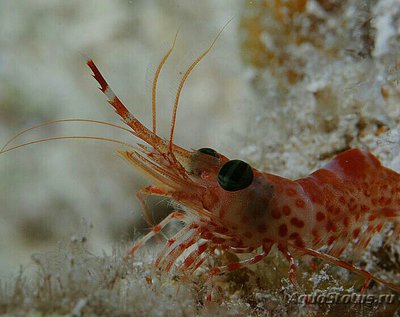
(208, 151)
(235, 175)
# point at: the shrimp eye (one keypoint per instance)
(235, 175)
(208, 151)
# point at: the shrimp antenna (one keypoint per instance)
(183, 80)
(66, 138)
(128, 118)
(58, 121)
(155, 81)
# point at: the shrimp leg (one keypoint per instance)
(180, 236)
(241, 264)
(194, 255)
(236, 266)
(330, 259)
(149, 190)
(292, 265)
(156, 229)
(167, 262)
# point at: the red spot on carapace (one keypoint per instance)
(320, 216)
(342, 200)
(331, 226)
(283, 230)
(286, 210)
(297, 222)
(300, 203)
(298, 241)
(364, 208)
(294, 235)
(331, 209)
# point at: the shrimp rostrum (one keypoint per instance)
(229, 205)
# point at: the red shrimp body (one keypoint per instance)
(351, 198)
(327, 208)
(228, 205)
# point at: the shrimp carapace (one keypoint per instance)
(227, 204)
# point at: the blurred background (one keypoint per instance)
(46, 189)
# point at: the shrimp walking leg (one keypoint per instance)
(178, 238)
(178, 251)
(235, 266)
(149, 190)
(239, 265)
(156, 229)
(194, 255)
(330, 259)
(292, 265)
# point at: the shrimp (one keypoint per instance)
(226, 204)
